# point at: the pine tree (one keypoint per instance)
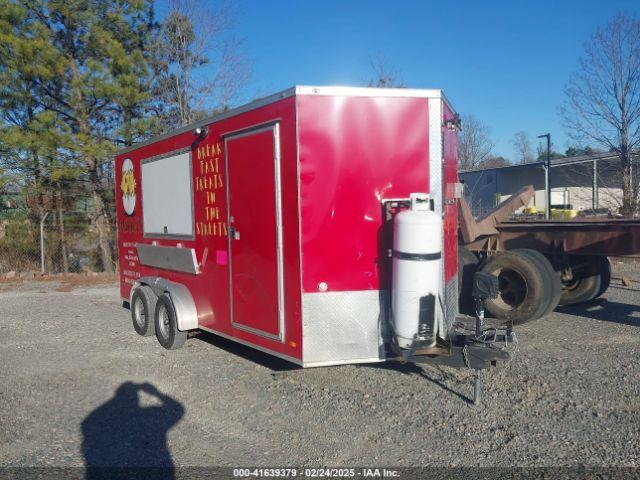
(28, 134)
(78, 76)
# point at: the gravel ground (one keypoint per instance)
(569, 397)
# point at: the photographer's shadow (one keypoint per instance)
(122, 439)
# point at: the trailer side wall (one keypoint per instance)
(211, 243)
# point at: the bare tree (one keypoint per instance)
(494, 162)
(475, 145)
(383, 75)
(541, 151)
(522, 146)
(200, 65)
(603, 98)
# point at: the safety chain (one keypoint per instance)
(464, 356)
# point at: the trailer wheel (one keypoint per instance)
(522, 295)
(166, 324)
(553, 278)
(467, 266)
(591, 278)
(143, 302)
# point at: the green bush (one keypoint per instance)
(19, 248)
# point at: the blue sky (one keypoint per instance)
(505, 62)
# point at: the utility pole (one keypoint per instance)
(547, 174)
(594, 192)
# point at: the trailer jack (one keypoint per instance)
(477, 345)
(466, 352)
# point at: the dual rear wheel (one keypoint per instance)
(590, 278)
(530, 286)
(156, 315)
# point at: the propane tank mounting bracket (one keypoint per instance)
(414, 202)
(421, 202)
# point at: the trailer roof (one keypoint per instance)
(297, 90)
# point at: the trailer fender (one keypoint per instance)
(183, 303)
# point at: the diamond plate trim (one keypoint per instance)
(435, 153)
(450, 303)
(343, 327)
(435, 185)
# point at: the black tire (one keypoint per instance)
(143, 304)
(467, 266)
(166, 323)
(587, 281)
(605, 275)
(580, 290)
(523, 295)
(553, 277)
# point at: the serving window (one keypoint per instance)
(167, 196)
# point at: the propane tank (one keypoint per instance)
(417, 246)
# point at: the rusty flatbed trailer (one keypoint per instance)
(609, 237)
(614, 237)
(541, 263)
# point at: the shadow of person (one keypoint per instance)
(123, 439)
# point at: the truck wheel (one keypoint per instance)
(553, 278)
(522, 295)
(166, 323)
(591, 278)
(605, 275)
(467, 266)
(580, 290)
(143, 303)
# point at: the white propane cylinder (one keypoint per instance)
(417, 247)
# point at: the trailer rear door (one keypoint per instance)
(255, 231)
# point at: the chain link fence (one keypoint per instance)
(585, 187)
(49, 245)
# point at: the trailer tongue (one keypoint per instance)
(476, 343)
(417, 311)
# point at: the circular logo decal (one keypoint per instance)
(128, 187)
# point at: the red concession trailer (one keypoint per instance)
(273, 225)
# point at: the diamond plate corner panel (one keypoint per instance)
(450, 303)
(343, 327)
